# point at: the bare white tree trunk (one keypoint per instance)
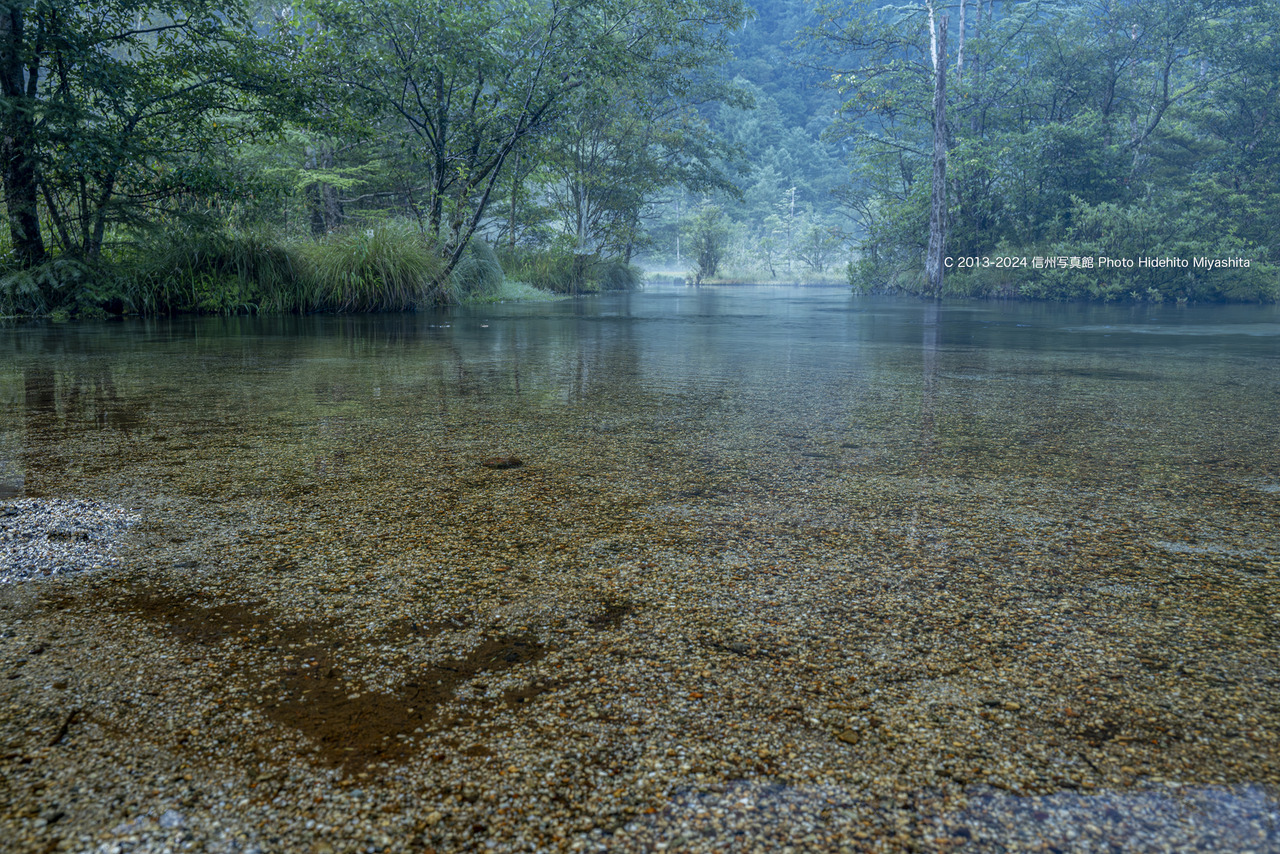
(933, 38)
(960, 47)
(933, 266)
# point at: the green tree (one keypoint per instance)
(708, 236)
(1064, 121)
(469, 85)
(616, 152)
(114, 112)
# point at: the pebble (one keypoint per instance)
(45, 537)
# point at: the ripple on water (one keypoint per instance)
(1265, 330)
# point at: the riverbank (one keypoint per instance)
(390, 267)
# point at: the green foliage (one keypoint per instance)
(386, 268)
(64, 284)
(616, 275)
(470, 91)
(786, 173)
(561, 271)
(391, 267)
(1169, 228)
(619, 149)
(1122, 131)
(818, 247)
(163, 136)
(214, 272)
(133, 105)
(549, 270)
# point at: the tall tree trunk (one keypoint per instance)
(315, 203)
(960, 47)
(976, 121)
(331, 201)
(582, 200)
(933, 36)
(322, 197)
(93, 242)
(933, 266)
(17, 136)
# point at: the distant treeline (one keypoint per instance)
(213, 155)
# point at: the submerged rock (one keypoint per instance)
(502, 462)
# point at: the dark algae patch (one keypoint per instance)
(611, 616)
(300, 677)
(354, 728)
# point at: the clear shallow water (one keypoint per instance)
(950, 503)
(810, 377)
(751, 358)
(807, 405)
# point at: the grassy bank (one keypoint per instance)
(390, 267)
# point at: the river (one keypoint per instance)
(874, 567)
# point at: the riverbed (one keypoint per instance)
(683, 569)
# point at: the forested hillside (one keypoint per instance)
(211, 156)
(1072, 132)
(786, 219)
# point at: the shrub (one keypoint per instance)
(545, 269)
(562, 271)
(616, 275)
(62, 284)
(708, 234)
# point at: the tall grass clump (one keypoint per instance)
(545, 269)
(617, 275)
(478, 273)
(389, 267)
(213, 272)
